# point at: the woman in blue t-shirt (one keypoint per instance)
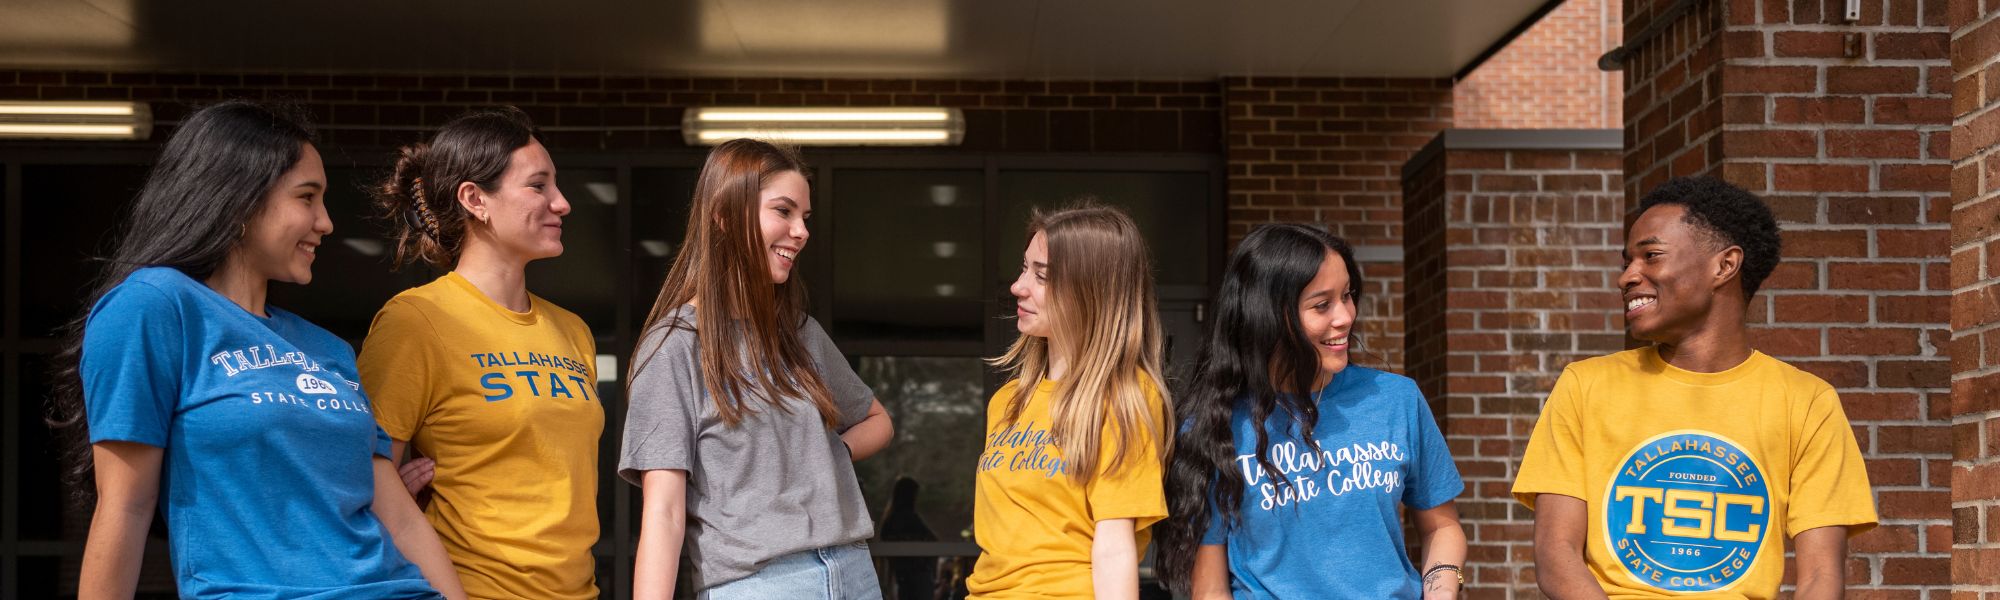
(242, 423)
(1292, 462)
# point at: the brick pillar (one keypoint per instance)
(1975, 303)
(1514, 249)
(1843, 127)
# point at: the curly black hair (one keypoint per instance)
(1731, 215)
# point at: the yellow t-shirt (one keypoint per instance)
(506, 403)
(1034, 525)
(1690, 477)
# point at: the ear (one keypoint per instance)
(1727, 265)
(472, 199)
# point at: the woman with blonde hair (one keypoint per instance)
(1069, 482)
(744, 417)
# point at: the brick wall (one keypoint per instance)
(1842, 127)
(1548, 77)
(585, 113)
(1975, 304)
(1512, 278)
(1330, 151)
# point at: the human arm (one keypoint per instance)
(662, 525)
(1559, 544)
(128, 489)
(870, 435)
(1114, 560)
(1822, 563)
(1444, 544)
(411, 532)
(416, 474)
(1210, 578)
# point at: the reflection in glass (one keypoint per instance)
(939, 407)
(1171, 209)
(906, 255)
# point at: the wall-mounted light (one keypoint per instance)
(887, 126)
(75, 120)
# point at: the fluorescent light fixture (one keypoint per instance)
(843, 126)
(75, 120)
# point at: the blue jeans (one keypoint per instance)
(843, 572)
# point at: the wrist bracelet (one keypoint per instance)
(1455, 571)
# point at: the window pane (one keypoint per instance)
(67, 214)
(584, 280)
(939, 405)
(1171, 208)
(660, 200)
(907, 248)
(45, 513)
(352, 272)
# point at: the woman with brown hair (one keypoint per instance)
(744, 417)
(494, 384)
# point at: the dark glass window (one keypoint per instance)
(907, 247)
(73, 210)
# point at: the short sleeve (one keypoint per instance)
(851, 395)
(1554, 462)
(133, 346)
(1436, 479)
(663, 412)
(383, 444)
(1829, 477)
(1135, 490)
(1217, 533)
(396, 366)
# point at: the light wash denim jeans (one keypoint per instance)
(843, 572)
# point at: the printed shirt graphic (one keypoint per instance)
(1695, 480)
(506, 403)
(1330, 530)
(263, 430)
(1033, 524)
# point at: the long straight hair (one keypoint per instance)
(210, 181)
(747, 324)
(1257, 356)
(1103, 318)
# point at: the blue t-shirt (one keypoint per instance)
(1333, 533)
(268, 473)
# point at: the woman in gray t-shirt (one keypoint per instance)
(744, 418)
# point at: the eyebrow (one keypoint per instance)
(1039, 265)
(311, 184)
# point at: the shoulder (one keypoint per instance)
(562, 317)
(311, 334)
(671, 337)
(1799, 384)
(151, 292)
(1628, 360)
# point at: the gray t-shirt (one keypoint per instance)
(778, 482)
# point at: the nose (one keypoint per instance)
(1629, 278)
(798, 231)
(1020, 286)
(1343, 315)
(322, 223)
(559, 204)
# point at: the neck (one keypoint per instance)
(239, 285)
(500, 276)
(1711, 348)
(1058, 363)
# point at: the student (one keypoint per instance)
(1068, 485)
(240, 421)
(495, 385)
(1682, 467)
(744, 418)
(1293, 462)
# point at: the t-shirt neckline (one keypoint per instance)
(1652, 360)
(523, 318)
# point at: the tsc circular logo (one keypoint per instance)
(1687, 512)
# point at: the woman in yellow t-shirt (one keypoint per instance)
(492, 383)
(1069, 482)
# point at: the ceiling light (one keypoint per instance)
(75, 120)
(882, 126)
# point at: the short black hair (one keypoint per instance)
(1731, 215)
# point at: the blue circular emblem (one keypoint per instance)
(1687, 512)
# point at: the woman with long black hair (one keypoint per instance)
(1287, 476)
(243, 423)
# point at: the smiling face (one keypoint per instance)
(1669, 281)
(782, 208)
(1326, 314)
(280, 241)
(525, 209)
(1031, 288)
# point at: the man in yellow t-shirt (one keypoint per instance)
(1678, 469)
